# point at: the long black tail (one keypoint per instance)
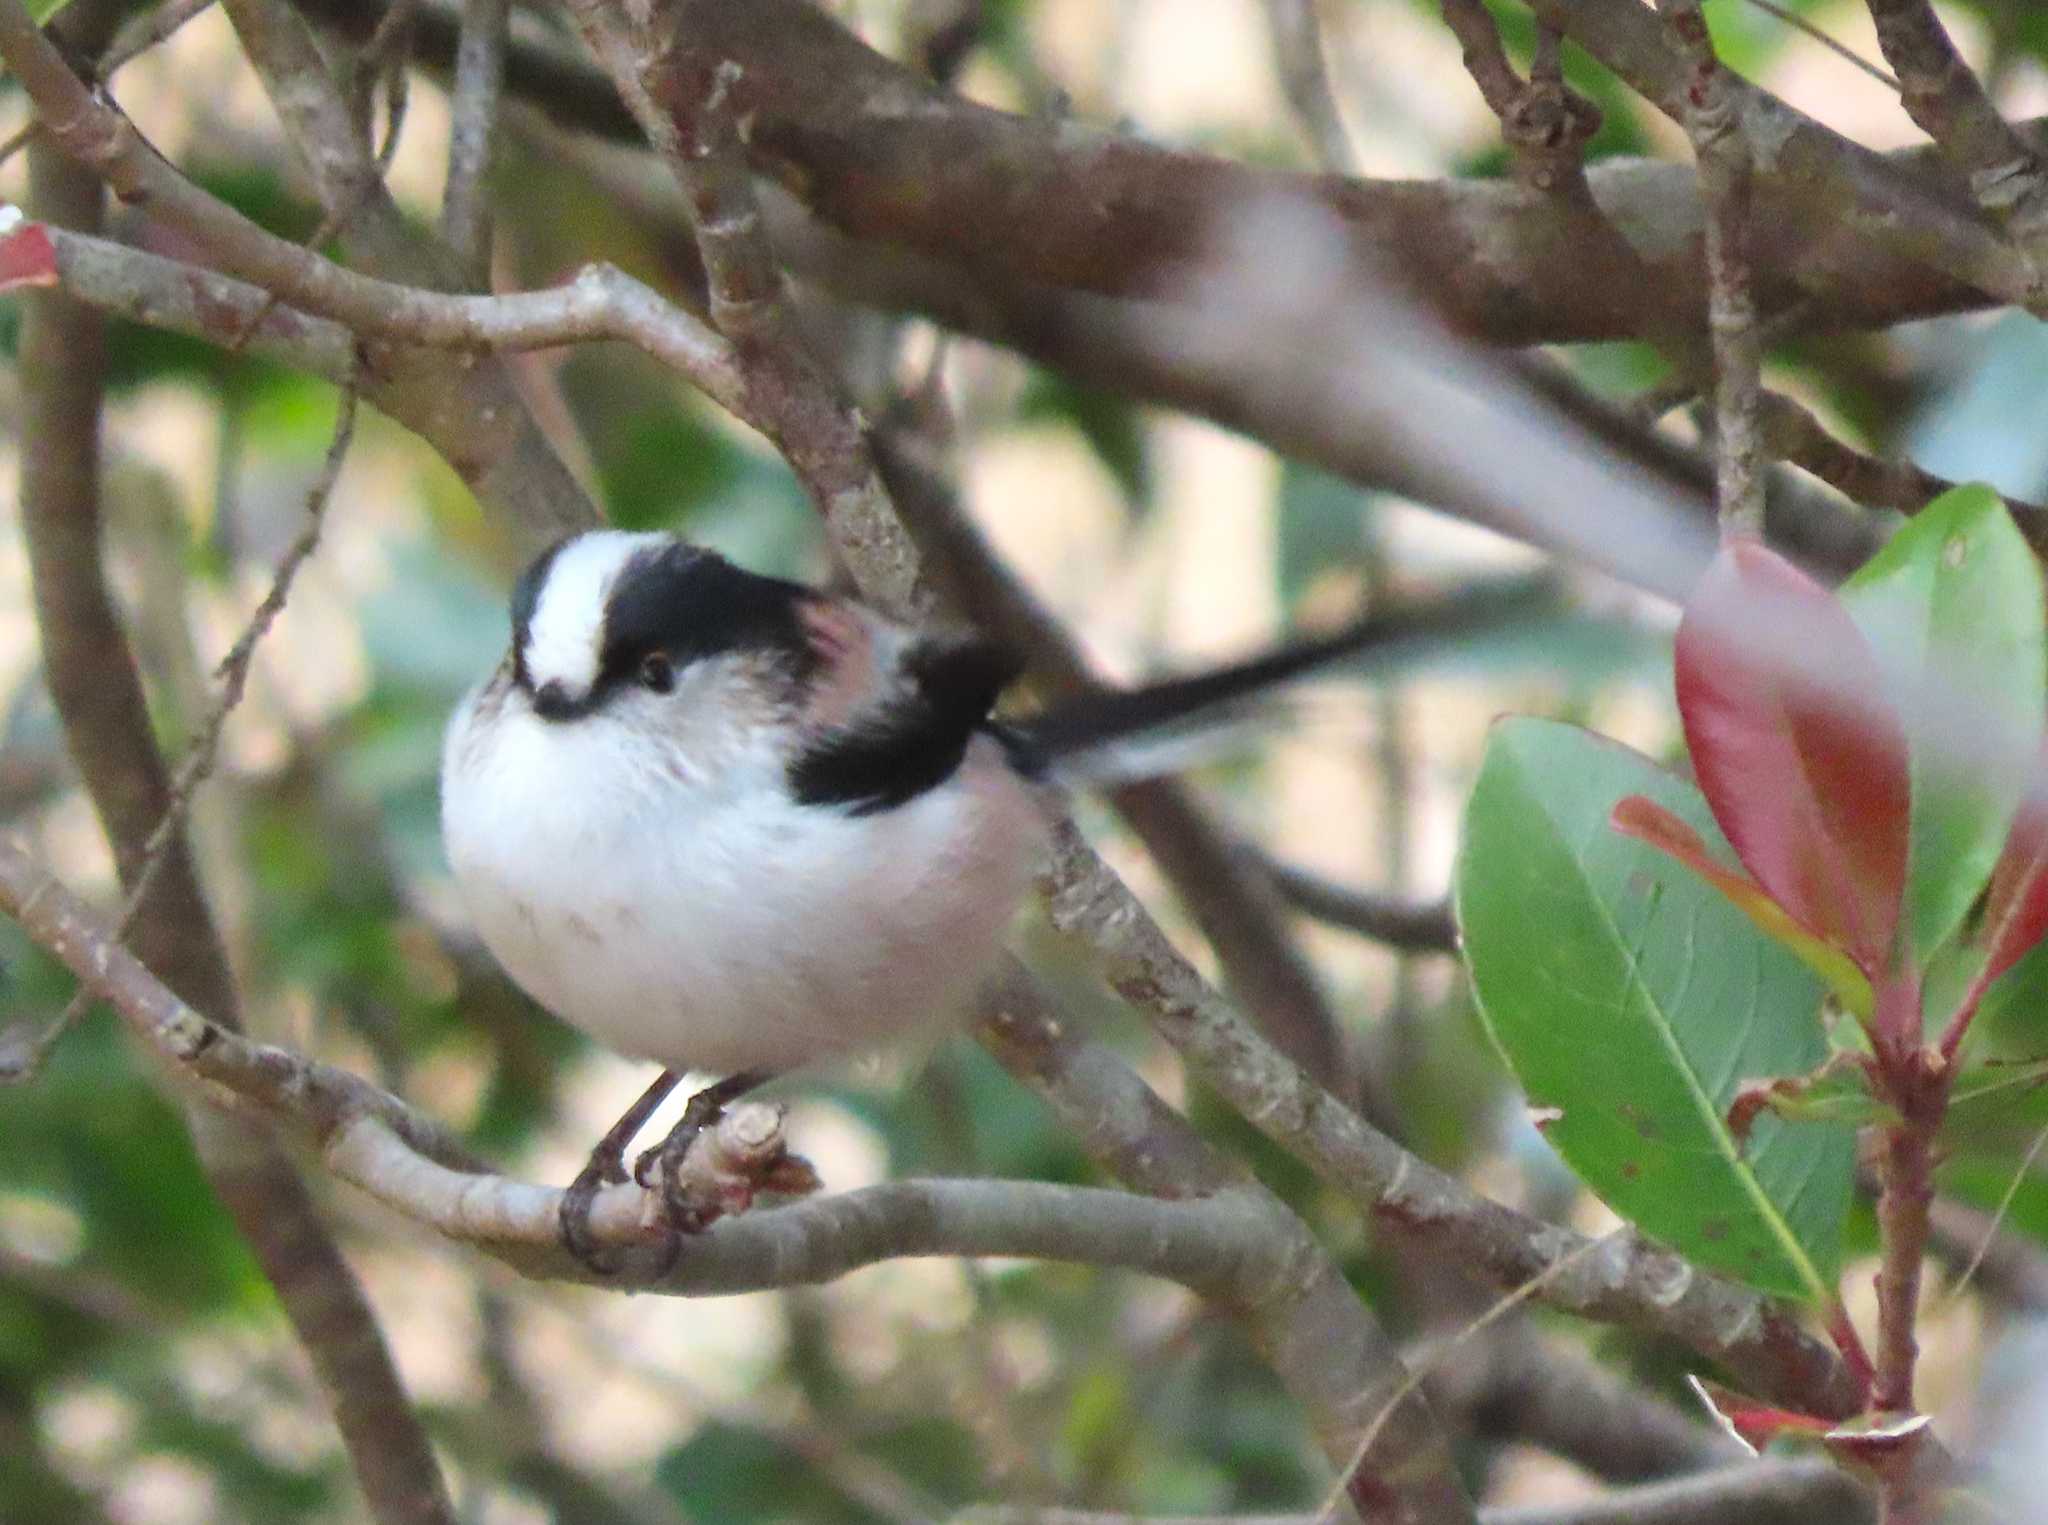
(1079, 738)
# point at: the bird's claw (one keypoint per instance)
(605, 1168)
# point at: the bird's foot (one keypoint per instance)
(606, 1167)
(661, 1168)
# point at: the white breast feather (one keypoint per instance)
(700, 917)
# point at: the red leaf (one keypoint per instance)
(27, 257)
(1751, 1420)
(1796, 747)
(2016, 910)
(1648, 822)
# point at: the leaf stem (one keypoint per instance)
(1958, 1025)
(1906, 1169)
(1842, 1330)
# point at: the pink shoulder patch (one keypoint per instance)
(844, 645)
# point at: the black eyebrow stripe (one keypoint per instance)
(691, 603)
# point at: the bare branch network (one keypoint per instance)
(1334, 318)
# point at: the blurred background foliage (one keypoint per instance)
(142, 1373)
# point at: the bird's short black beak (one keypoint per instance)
(552, 702)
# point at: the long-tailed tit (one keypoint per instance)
(725, 822)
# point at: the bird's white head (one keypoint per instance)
(559, 611)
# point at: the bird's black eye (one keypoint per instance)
(657, 672)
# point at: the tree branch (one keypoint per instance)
(1726, 174)
(1494, 256)
(1323, 1343)
(1948, 102)
(1295, 32)
(690, 106)
(1242, 922)
(466, 220)
(1625, 1281)
(98, 695)
(1420, 926)
(467, 411)
(1754, 1493)
(1207, 1226)
(1845, 187)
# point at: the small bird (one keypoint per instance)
(730, 823)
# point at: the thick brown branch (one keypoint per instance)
(1792, 434)
(1830, 186)
(1496, 257)
(1944, 96)
(1906, 1169)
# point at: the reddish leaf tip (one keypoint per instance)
(1752, 1421)
(27, 257)
(1797, 747)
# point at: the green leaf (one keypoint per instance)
(1837, 1092)
(1840, 1092)
(1109, 423)
(1321, 527)
(1632, 1001)
(1952, 606)
(737, 1472)
(2017, 1002)
(1650, 823)
(40, 11)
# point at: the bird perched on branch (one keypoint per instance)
(730, 823)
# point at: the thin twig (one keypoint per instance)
(1485, 56)
(1991, 1230)
(599, 302)
(385, 57)
(1296, 33)
(147, 30)
(20, 139)
(1841, 49)
(204, 749)
(1544, 122)
(1419, 1371)
(688, 108)
(1411, 925)
(466, 220)
(1722, 152)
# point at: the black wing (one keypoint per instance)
(915, 739)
